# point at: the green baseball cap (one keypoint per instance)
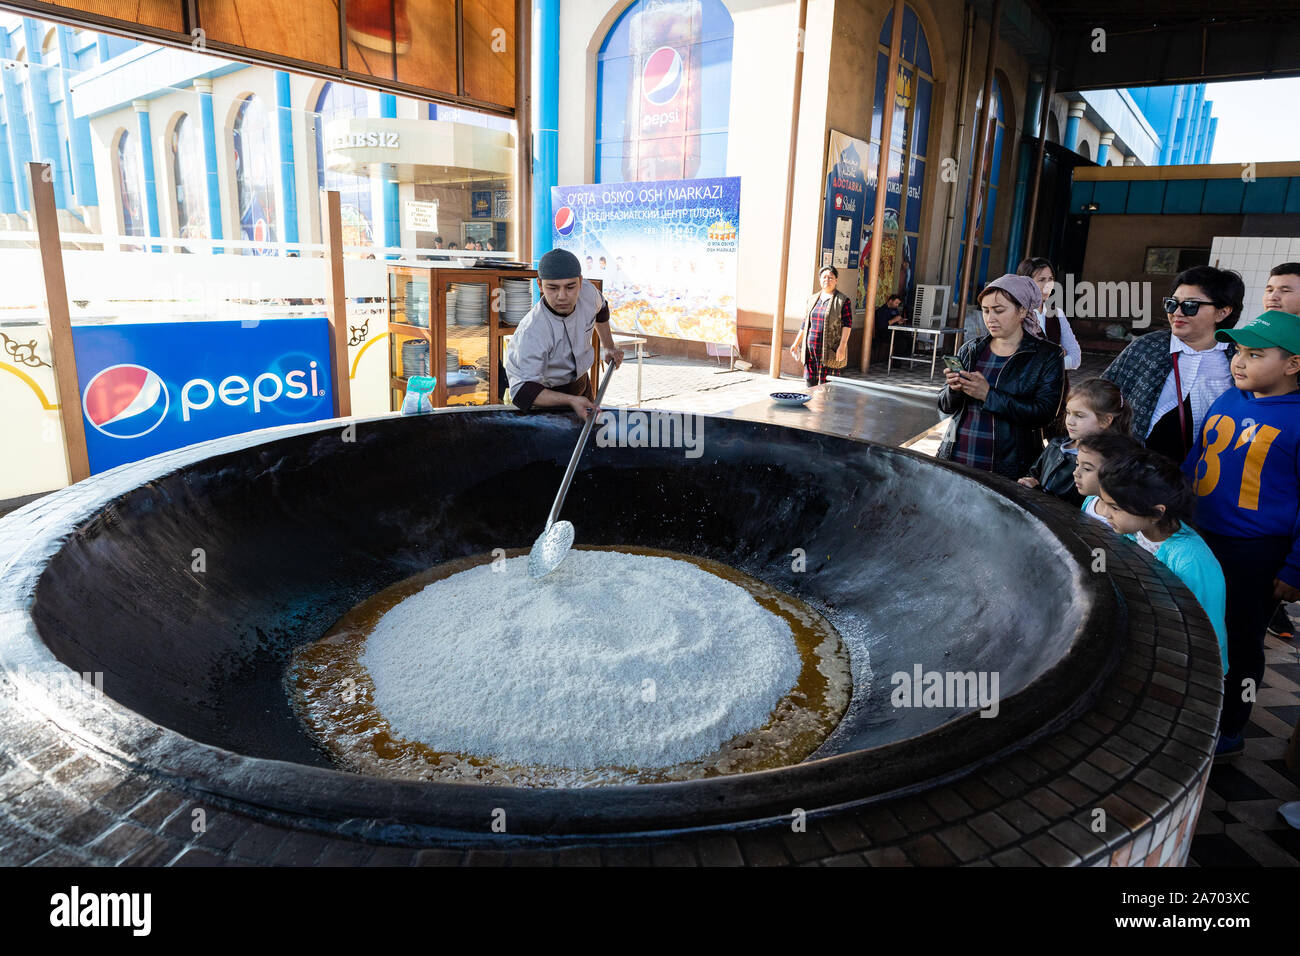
(1273, 329)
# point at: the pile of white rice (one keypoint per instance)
(613, 660)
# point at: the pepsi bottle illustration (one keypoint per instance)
(664, 102)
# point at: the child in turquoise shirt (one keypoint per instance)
(1145, 497)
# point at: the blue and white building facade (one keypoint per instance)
(146, 141)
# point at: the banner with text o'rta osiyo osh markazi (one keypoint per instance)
(665, 252)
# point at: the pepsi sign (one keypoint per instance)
(565, 220)
(661, 77)
(151, 387)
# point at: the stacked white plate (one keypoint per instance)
(415, 358)
(518, 294)
(471, 303)
(453, 294)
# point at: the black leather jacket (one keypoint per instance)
(1024, 399)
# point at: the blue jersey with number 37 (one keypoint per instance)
(1246, 470)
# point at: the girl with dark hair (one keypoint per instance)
(1052, 321)
(1145, 497)
(1093, 453)
(1172, 376)
(1093, 407)
(823, 340)
(1009, 387)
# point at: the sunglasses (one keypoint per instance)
(1189, 307)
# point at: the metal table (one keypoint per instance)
(919, 330)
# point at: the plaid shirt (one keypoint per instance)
(975, 440)
(1141, 370)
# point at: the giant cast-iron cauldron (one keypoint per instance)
(935, 565)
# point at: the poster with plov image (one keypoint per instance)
(665, 251)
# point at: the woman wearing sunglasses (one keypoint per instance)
(1172, 376)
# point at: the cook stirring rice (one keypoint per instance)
(549, 356)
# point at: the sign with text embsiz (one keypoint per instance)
(150, 387)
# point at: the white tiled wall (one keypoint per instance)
(1253, 257)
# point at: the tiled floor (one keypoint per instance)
(1239, 824)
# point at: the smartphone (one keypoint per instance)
(953, 364)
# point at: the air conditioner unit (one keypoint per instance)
(931, 309)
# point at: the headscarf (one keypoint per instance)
(1025, 291)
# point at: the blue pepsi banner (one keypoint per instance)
(665, 252)
(151, 387)
(846, 195)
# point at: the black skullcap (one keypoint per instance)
(559, 264)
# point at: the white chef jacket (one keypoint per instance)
(551, 351)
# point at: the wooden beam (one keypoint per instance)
(59, 321)
(1049, 90)
(336, 301)
(977, 170)
(778, 310)
(882, 183)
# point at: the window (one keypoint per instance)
(908, 93)
(255, 154)
(339, 101)
(129, 191)
(187, 173)
(663, 92)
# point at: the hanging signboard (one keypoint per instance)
(665, 250)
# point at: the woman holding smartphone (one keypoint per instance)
(1009, 387)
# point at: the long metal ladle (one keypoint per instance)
(556, 539)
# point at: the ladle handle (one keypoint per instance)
(577, 451)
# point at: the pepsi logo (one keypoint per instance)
(661, 77)
(564, 220)
(125, 401)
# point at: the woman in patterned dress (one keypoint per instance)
(823, 340)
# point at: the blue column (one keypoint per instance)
(1202, 131)
(1103, 148)
(208, 128)
(288, 182)
(7, 203)
(1015, 241)
(83, 162)
(146, 157)
(1072, 126)
(1167, 147)
(546, 135)
(1207, 150)
(48, 147)
(1193, 123)
(101, 44)
(392, 198)
(20, 140)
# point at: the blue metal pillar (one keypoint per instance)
(207, 125)
(546, 131)
(288, 182)
(20, 140)
(141, 108)
(1021, 197)
(392, 198)
(83, 162)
